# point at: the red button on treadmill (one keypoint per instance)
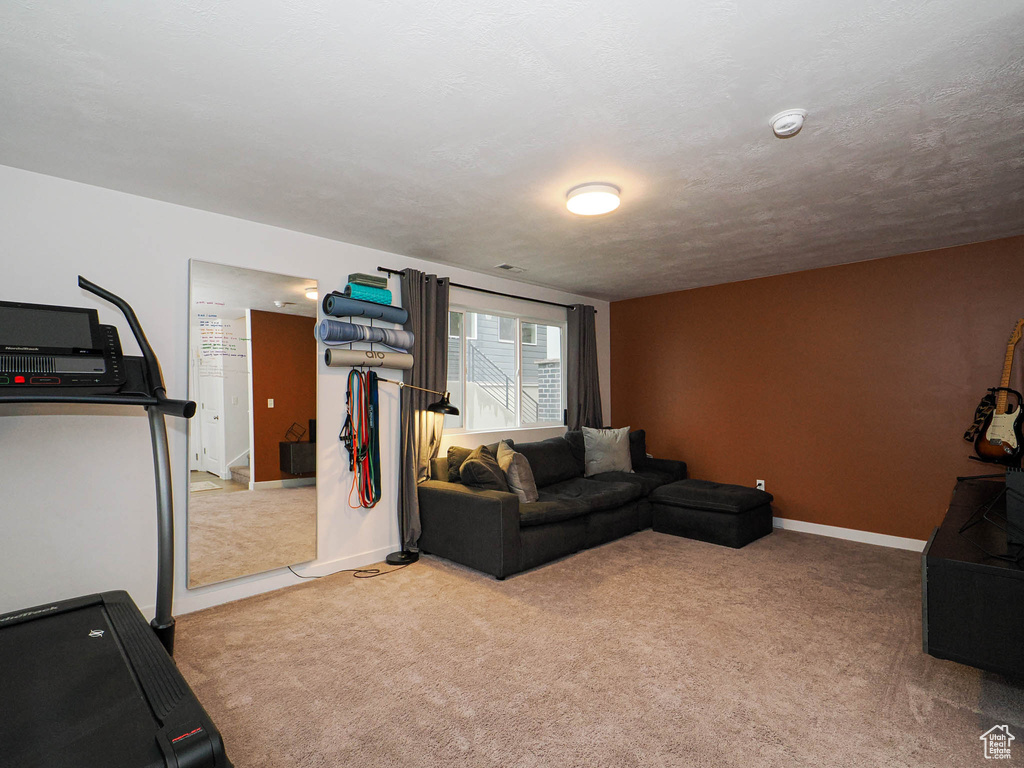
(19, 379)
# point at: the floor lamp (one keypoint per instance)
(443, 407)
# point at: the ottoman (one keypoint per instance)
(731, 515)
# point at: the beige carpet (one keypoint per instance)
(235, 534)
(650, 651)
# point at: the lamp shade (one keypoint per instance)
(443, 406)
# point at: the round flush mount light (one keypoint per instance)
(788, 123)
(311, 294)
(592, 199)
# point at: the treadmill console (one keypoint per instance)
(44, 346)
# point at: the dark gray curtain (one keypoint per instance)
(583, 395)
(425, 297)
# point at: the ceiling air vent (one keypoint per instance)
(509, 268)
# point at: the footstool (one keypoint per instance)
(731, 515)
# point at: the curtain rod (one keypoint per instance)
(485, 290)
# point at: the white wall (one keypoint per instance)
(78, 504)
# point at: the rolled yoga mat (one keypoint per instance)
(369, 358)
(339, 305)
(368, 293)
(339, 332)
(361, 278)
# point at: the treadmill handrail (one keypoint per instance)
(185, 409)
(154, 379)
(156, 403)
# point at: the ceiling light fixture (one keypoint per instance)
(788, 123)
(311, 294)
(592, 199)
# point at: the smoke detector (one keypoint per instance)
(788, 123)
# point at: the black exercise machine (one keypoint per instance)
(86, 683)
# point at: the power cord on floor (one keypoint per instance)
(357, 573)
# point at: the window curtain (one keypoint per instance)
(583, 394)
(425, 297)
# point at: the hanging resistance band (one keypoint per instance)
(360, 437)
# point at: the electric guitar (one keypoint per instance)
(1000, 439)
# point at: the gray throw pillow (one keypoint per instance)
(481, 470)
(607, 450)
(517, 473)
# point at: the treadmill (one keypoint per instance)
(86, 682)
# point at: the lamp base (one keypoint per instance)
(405, 557)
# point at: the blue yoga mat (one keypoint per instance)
(332, 332)
(339, 305)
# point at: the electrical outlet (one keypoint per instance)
(760, 485)
(270, 402)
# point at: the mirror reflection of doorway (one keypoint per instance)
(252, 465)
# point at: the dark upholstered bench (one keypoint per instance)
(731, 515)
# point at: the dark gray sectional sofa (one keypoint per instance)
(493, 532)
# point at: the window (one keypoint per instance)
(507, 330)
(530, 333)
(455, 325)
(504, 372)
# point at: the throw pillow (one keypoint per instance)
(517, 473)
(457, 455)
(481, 470)
(607, 450)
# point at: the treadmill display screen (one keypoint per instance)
(45, 328)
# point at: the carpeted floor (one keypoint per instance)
(653, 650)
(235, 534)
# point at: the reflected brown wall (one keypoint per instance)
(284, 359)
(847, 389)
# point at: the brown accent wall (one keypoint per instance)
(847, 389)
(284, 358)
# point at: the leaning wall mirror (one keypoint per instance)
(252, 442)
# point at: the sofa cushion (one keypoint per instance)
(637, 448)
(647, 479)
(457, 455)
(439, 468)
(574, 437)
(517, 473)
(595, 495)
(551, 511)
(481, 470)
(716, 497)
(551, 461)
(607, 450)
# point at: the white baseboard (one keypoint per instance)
(850, 534)
(190, 600)
(342, 563)
(291, 482)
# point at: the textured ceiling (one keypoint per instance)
(451, 130)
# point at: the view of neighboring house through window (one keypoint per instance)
(507, 329)
(503, 372)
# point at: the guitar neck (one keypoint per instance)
(1005, 381)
